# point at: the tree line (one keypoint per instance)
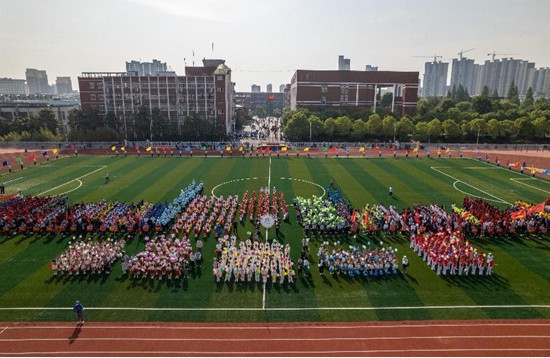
(456, 117)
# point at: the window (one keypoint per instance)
(324, 88)
(92, 85)
(220, 89)
(220, 111)
(92, 97)
(220, 78)
(324, 100)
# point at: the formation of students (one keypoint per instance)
(252, 261)
(53, 214)
(449, 253)
(165, 257)
(357, 261)
(319, 216)
(88, 257)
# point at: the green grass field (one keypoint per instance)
(519, 289)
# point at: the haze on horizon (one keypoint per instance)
(264, 42)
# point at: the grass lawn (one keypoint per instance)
(520, 287)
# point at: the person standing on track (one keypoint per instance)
(79, 310)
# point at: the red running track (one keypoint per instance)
(408, 338)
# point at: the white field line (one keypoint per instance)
(306, 326)
(482, 191)
(382, 308)
(3, 330)
(517, 180)
(401, 352)
(309, 182)
(527, 176)
(247, 339)
(469, 194)
(70, 181)
(11, 181)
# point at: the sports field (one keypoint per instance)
(520, 287)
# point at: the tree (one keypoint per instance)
(482, 104)
(343, 127)
(513, 94)
(47, 119)
(405, 128)
(541, 103)
(421, 131)
(260, 112)
(444, 106)
(4, 127)
(541, 127)
(435, 129)
(451, 130)
(297, 128)
(525, 128)
(374, 125)
(329, 128)
(528, 101)
(389, 127)
(386, 100)
(359, 130)
(495, 130)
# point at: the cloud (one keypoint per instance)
(211, 10)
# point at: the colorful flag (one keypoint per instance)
(392, 149)
(448, 150)
(274, 149)
(18, 159)
(539, 208)
(546, 171)
(122, 148)
(241, 148)
(203, 147)
(137, 148)
(5, 163)
(517, 164)
(377, 149)
(283, 149)
(306, 149)
(188, 148)
(427, 150)
(148, 149)
(333, 149)
(518, 214)
(294, 150)
(113, 148)
(44, 153)
(32, 157)
(72, 147)
(228, 148)
(415, 150)
(438, 151)
(55, 151)
(362, 149)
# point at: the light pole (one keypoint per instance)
(309, 132)
(394, 129)
(477, 142)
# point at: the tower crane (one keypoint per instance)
(493, 54)
(463, 52)
(435, 57)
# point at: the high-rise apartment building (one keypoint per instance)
(255, 89)
(343, 63)
(282, 88)
(205, 91)
(146, 68)
(64, 85)
(463, 73)
(37, 81)
(370, 68)
(435, 79)
(269, 88)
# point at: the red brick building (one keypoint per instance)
(353, 90)
(206, 92)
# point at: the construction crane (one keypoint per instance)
(463, 52)
(493, 54)
(435, 57)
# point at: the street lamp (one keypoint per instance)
(478, 130)
(309, 132)
(394, 129)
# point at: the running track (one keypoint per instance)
(418, 338)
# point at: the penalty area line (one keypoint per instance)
(70, 181)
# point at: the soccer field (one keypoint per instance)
(520, 287)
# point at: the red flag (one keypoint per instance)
(162, 149)
(517, 164)
(333, 149)
(271, 97)
(391, 150)
(72, 147)
(72, 217)
(507, 162)
(377, 149)
(539, 208)
(32, 157)
(354, 217)
(520, 214)
(137, 148)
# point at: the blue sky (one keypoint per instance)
(264, 41)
